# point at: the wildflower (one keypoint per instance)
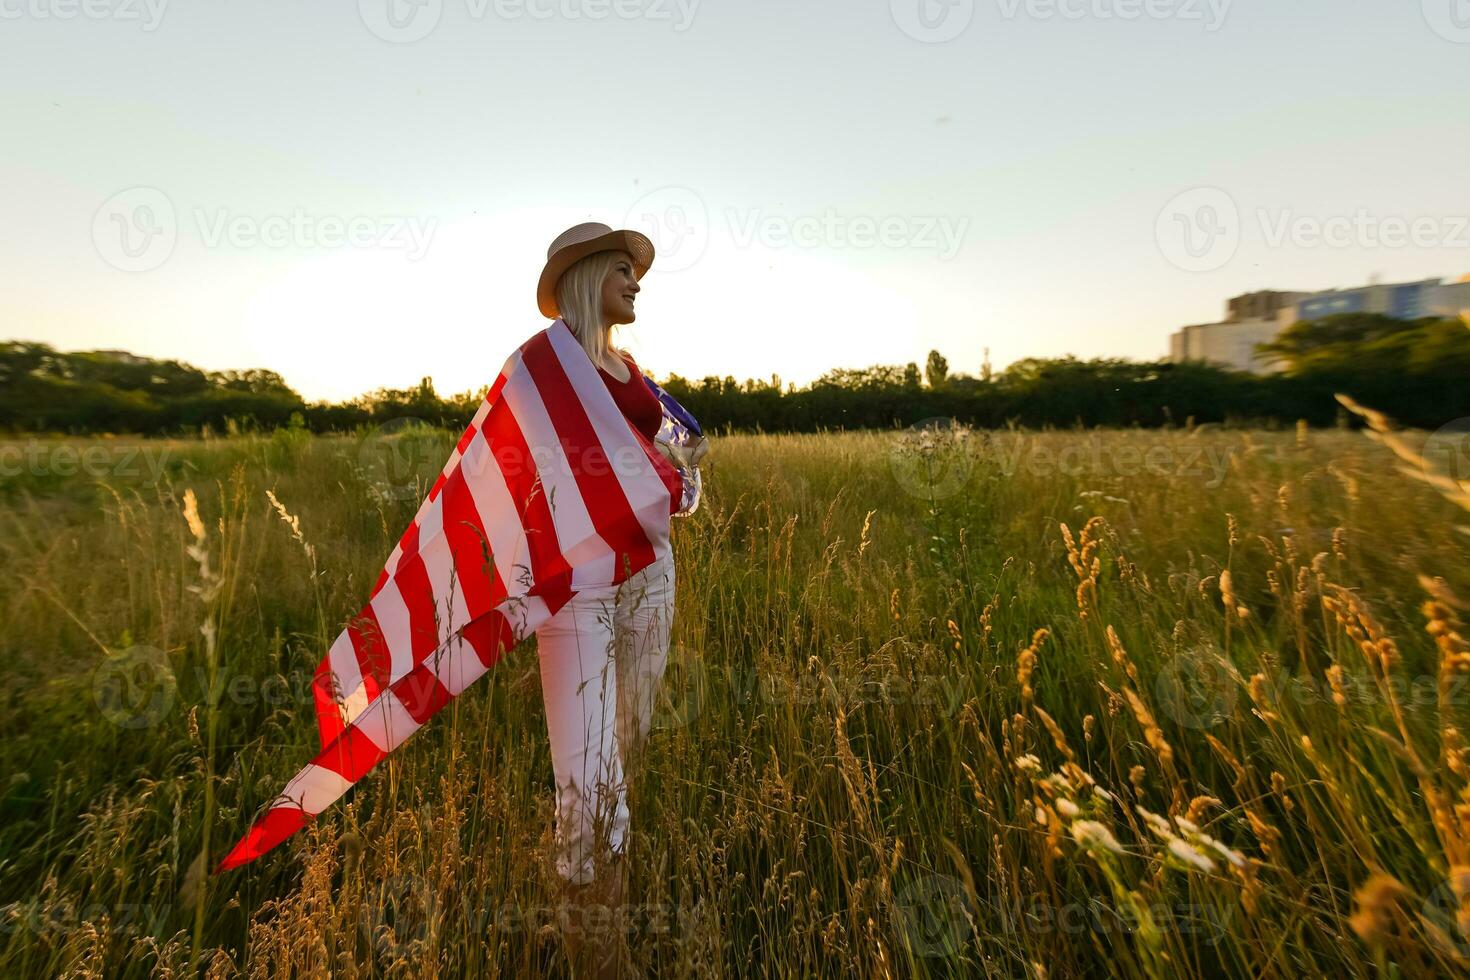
(1086, 777)
(1091, 834)
(1339, 689)
(1152, 733)
(1028, 762)
(191, 514)
(1235, 858)
(1375, 900)
(1198, 805)
(1227, 590)
(1189, 855)
(1068, 809)
(1156, 823)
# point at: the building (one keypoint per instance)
(1264, 305)
(1402, 301)
(1251, 319)
(1257, 318)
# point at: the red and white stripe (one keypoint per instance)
(550, 490)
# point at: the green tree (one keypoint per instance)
(936, 369)
(1299, 341)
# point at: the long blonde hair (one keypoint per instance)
(579, 301)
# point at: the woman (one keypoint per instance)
(603, 654)
(496, 553)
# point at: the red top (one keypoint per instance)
(639, 404)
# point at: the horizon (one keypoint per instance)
(360, 198)
(786, 384)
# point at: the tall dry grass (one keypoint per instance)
(1146, 703)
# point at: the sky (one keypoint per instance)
(361, 194)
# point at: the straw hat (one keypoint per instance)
(580, 241)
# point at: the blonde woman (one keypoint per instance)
(602, 655)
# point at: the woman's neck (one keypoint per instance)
(617, 365)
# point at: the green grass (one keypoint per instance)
(832, 786)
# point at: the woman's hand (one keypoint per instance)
(684, 457)
(668, 452)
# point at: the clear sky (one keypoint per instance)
(359, 194)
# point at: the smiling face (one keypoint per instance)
(619, 290)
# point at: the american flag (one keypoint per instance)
(549, 490)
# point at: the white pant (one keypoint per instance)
(602, 658)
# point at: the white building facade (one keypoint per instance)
(1258, 318)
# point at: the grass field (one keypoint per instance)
(1133, 703)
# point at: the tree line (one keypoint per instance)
(1415, 371)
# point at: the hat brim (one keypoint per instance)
(636, 244)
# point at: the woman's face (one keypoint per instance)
(618, 291)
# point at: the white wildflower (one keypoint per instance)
(1234, 857)
(1068, 809)
(1090, 833)
(1029, 763)
(1189, 855)
(1156, 823)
